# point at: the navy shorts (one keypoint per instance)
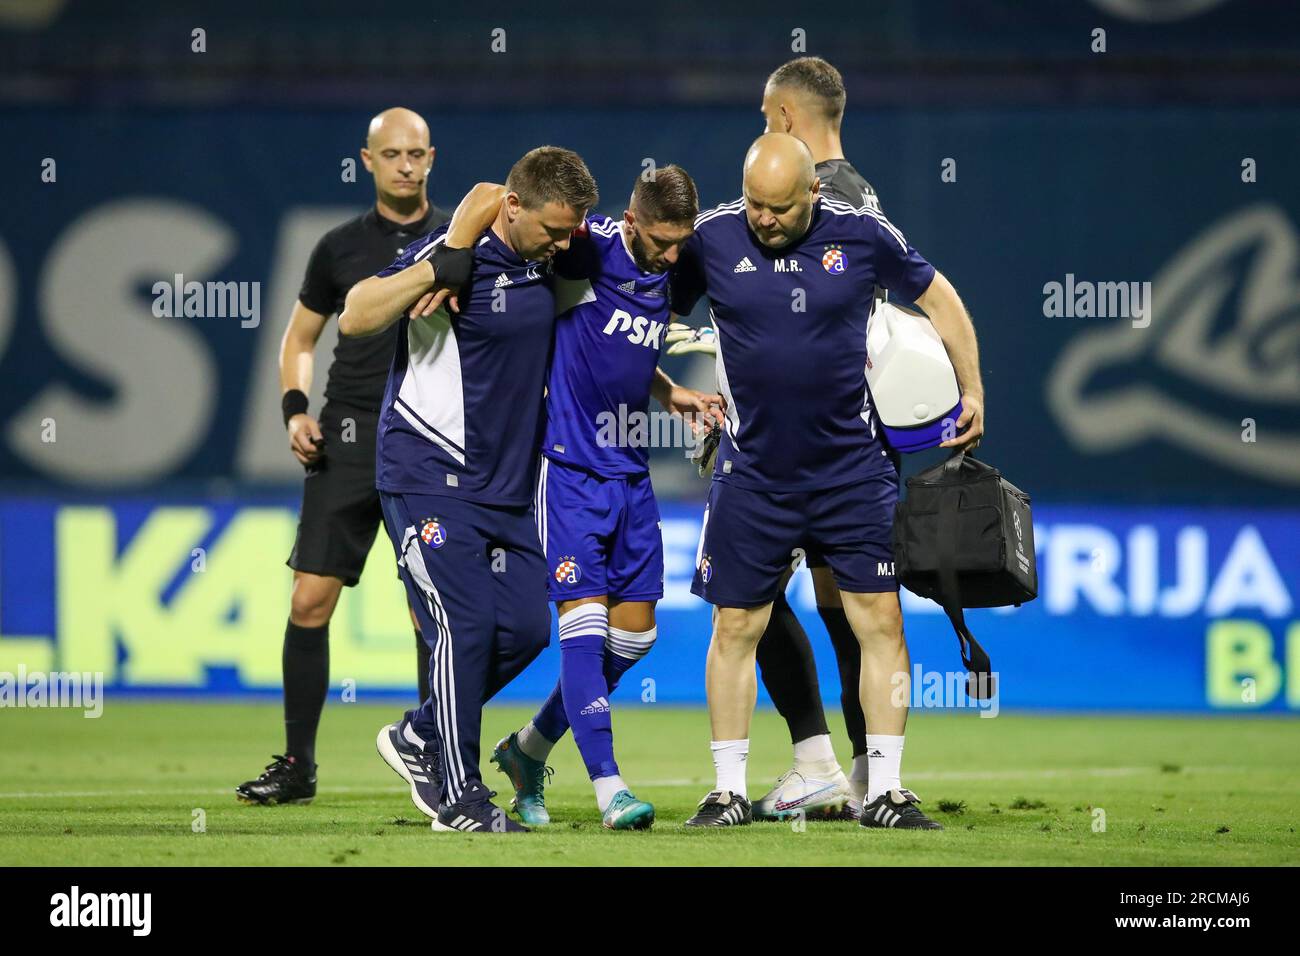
(601, 535)
(749, 536)
(814, 558)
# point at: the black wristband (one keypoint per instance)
(293, 402)
(452, 267)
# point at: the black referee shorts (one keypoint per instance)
(340, 506)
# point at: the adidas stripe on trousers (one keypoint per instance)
(476, 576)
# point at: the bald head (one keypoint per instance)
(398, 155)
(396, 123)
(781, 184)
(779, 163)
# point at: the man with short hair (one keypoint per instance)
(790, 277)
(805, 97)
(457, 463)
(596, 509)
(340, 506)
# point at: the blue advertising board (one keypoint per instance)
(1140, 609)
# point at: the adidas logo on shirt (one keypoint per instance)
(744, 265)
(629, 287)
(503, 280)
(598, 706)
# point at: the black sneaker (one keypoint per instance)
(419, 767)
(896, 809)
(475, 812)
(284, 781)
(722, 808)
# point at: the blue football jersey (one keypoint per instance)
(612, 318)
(462, 412)
(792, 340)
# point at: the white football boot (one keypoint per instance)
(821, 795)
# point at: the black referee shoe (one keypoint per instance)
(896, 809)
(722, 808)
(284, 781)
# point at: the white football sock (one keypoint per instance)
(729, 757)
(533, 743)
(815, 754)
(885, 761)
(631, 645)
(606, 789)
(410, 736)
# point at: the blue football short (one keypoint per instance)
(748, 538)
(601, 535)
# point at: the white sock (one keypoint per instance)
(885, 760)
(632, 645)
(729, 758)
(606, 789)
(410, 736)
(533, 743)
(858, 778)
(815, 753)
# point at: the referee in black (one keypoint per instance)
(340, 506)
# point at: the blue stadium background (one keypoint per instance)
(1164, 462)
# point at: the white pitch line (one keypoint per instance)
(1024, 774)
(56, 794)
(938, 775)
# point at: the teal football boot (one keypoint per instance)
(527, 776)
(626, 812)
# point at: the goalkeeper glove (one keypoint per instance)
(682, 340)
(706, 450)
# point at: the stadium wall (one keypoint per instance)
(1196, 402)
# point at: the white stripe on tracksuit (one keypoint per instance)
(443, 678)
(539, 502)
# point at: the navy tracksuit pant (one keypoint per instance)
(476, 576)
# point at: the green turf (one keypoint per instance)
(123, 789)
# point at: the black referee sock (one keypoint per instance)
(306, 663)
(848, 656)
(785, 662)
(422, 655)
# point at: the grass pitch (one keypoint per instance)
(132, 787)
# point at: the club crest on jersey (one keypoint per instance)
(567, 571)
(432, 533)
(833, 260)
(706, 569)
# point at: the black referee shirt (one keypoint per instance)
(344, 256)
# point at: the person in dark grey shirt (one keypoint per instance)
(805, 97)
(340, 505)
